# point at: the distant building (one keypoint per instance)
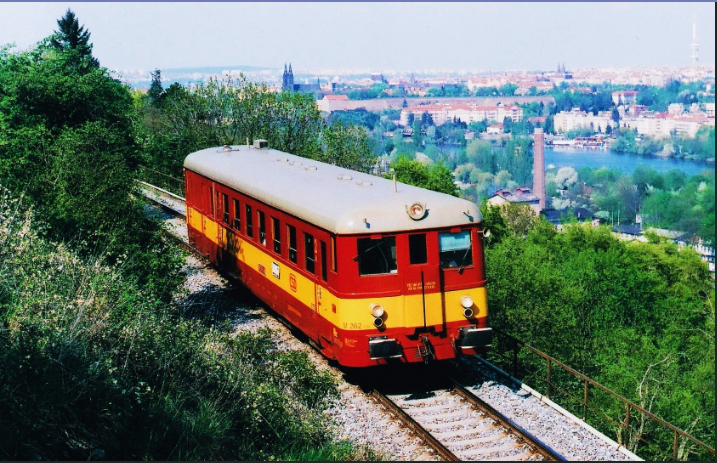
(441, 113)
(287, 83)
(663, 125)
(324, 104)
(556, 216)
(565, 121)
(624, 97)
(520, 196)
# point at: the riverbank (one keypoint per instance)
(571, 156)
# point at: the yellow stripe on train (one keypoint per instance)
(351, 314)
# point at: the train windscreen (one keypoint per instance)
(455, 249)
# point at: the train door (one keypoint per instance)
(424, 304)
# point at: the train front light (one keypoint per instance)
(377, 310)
(467, 303)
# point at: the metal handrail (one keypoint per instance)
(517, 344)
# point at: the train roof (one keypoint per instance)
(336, 199)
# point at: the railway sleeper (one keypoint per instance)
(520, 457)
(479, 440)
(429, 407)
(488, 450)
(443, 416)
(453, 424)
(463, 432)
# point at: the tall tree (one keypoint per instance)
(155, 88)
(75, 39)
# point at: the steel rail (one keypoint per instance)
(530, 440)
(415, 427)
(162, 193)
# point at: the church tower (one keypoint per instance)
(287, 79)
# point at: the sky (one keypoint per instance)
(375, 36)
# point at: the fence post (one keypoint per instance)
(585, 401)
(515, 358)
(674, 450)
(626, 442)
(549, 383)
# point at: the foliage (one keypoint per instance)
(74, 40)
(436, 177)
(670, 200)
(358, 116)
(93, 367)
(346, 146)
(588, 299)
(234, 111)
(68, 144)
(155, 88)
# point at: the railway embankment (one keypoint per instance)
(357, 417)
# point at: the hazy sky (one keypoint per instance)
(398, 36)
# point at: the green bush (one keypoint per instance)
(93, 367)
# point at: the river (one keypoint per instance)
(596, 158)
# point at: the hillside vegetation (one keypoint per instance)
(636, 317)
(95, 360)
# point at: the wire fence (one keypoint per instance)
(162, 180)
(634, 427)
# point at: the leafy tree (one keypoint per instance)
(68, 144)
(74, 39)
(619, 312)
(436, 177)
(346, 146)
(155, 88)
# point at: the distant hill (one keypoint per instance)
(214, 69)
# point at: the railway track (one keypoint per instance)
(454, 422)
(461, 427)
(170, 202)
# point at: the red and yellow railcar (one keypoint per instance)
(371, 270)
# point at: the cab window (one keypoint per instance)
(376, 256)
(455, 249)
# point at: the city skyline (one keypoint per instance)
(398, 36)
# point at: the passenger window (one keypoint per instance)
(376, 256)
(455, 249)
(417, 249)
(324, 272)
(276, 230)
(262, 228)
(309, 251)
(237, 215)
(225, 203)
(292, 244)
(249, 225)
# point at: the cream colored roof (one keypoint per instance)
(339, 200)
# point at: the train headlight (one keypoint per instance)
(416, 211)
(467, 303)
(377, 310)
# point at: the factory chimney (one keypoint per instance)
(539, 167)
